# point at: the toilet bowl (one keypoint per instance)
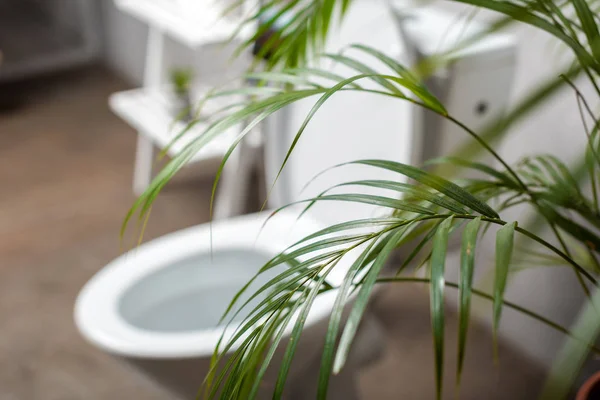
(158, 306)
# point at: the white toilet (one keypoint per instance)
(158, 306)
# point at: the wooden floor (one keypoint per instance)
(65, 175)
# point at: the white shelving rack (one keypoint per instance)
(194, 23)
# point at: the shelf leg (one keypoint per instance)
(144, 157)
(142, 172)
(232, 195)
(154, 59)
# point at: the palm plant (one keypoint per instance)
(426, 211)
(181, 79)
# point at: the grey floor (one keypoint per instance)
(65, 173)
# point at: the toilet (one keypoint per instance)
(158, 306)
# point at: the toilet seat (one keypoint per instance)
(97, 313)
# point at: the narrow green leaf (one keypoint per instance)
(389, 61)
(356, 224)
(415, 192)
(345, 6)
(320, 73)
(380, 201)
(442, 185)
(502, 177)
(467, 265)
(365, 70)
(589, 238)
(572, 355)
(335, 320)
(278, 285)
(589, 25)
(504, 250)
(525, 15)
(409, 80)
(286, 257)
(290, 350)
(269, 356)
(281, 77)
(249, 323)
(327, 14)
(362, 298)
(229, 365)
(310, 115)
(415, 251)
(438, 261)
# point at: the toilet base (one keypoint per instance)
(367, 348)
(183, 377)
(343, 386)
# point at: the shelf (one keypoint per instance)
(209, 26)
(148, 112)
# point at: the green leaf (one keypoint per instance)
(502, 177)
(281, 77)
(312, 112)
(327, 13)
(504, 250)
(415, 192)
(442, 185)
(589, 25)
(231, 364)
(356, 224)
(589, 238)
(286, 363)
(390, 62)
(288, 257)
(573, 353)
(380, 201)
(282, 283)
(366, 71)
(525, 15)
(467, 265)
(254, 318)
(415, 251)
(319, 73)
(335, 320)
(360, 303)
(409, 80)
(345, 6)
(438, 261)
(269, 356)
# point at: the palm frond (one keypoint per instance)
(467, 267)
(574, 351)
(291, 32)
(438, 260)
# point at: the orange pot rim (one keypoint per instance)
(584, 391)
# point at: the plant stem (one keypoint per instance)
(488, 148)
(522, 231)
(487, 296)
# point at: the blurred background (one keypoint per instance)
(66, 165)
